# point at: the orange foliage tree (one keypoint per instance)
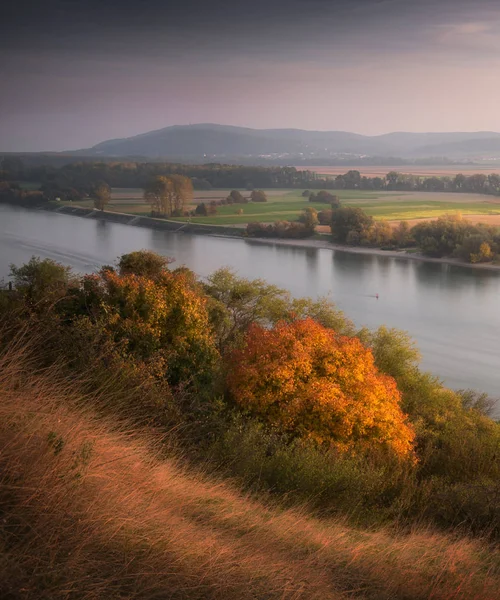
(311, 382)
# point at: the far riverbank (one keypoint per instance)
(315, 243)
(237, 233)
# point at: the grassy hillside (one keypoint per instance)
(91, 508)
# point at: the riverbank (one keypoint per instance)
(144, 221)
(237, 233)
(315, 243)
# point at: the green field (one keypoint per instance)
(422, 209)
(288, 204)
(390, 206)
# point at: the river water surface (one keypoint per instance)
(452, 312)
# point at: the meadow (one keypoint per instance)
(94, 508)
(287, 205)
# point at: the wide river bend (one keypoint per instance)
(452, 312)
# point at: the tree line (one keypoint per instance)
(83, 175)
(447, 236)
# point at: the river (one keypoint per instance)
(452, 312)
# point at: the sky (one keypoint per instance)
(78, 72)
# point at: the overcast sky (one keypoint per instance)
(77, 72)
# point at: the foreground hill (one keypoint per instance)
(220, 142)
(90, 509)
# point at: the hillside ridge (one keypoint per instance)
(218, 142)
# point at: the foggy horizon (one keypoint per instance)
(79, 73)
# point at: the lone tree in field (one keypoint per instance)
(258, 196)
(326, 198)
(201, 210)
(169, 195)
(236, 197)
(101, 194)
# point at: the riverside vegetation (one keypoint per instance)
(221, 439)
(168, 189)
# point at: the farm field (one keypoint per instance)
(420, 170)
(288, 204)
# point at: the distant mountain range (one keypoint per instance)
(217, 143)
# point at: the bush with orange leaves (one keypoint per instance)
(160, 323)
(313, 383)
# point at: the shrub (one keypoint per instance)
(309, 218)
(161, 323)
(280, 229)
(350, 225)
(201, 210)
(236, 197)
(144, 263)
(325, 217)
(41, 281)
(443, 236)
(326, 198)
(258, 196)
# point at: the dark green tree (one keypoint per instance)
(350, 225)
(258, 196)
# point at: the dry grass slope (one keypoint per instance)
(91, 510)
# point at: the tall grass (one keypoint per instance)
(89, 509)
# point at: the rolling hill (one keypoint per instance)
(206, 142)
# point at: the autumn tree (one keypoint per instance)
(160, 323)
(310, 382)
(157, 193)
(168, 195)
(380, 234)
(325, 217)
(182, 192)
(309, 217)
(475, 249)
(402, 234)
(101, 194)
